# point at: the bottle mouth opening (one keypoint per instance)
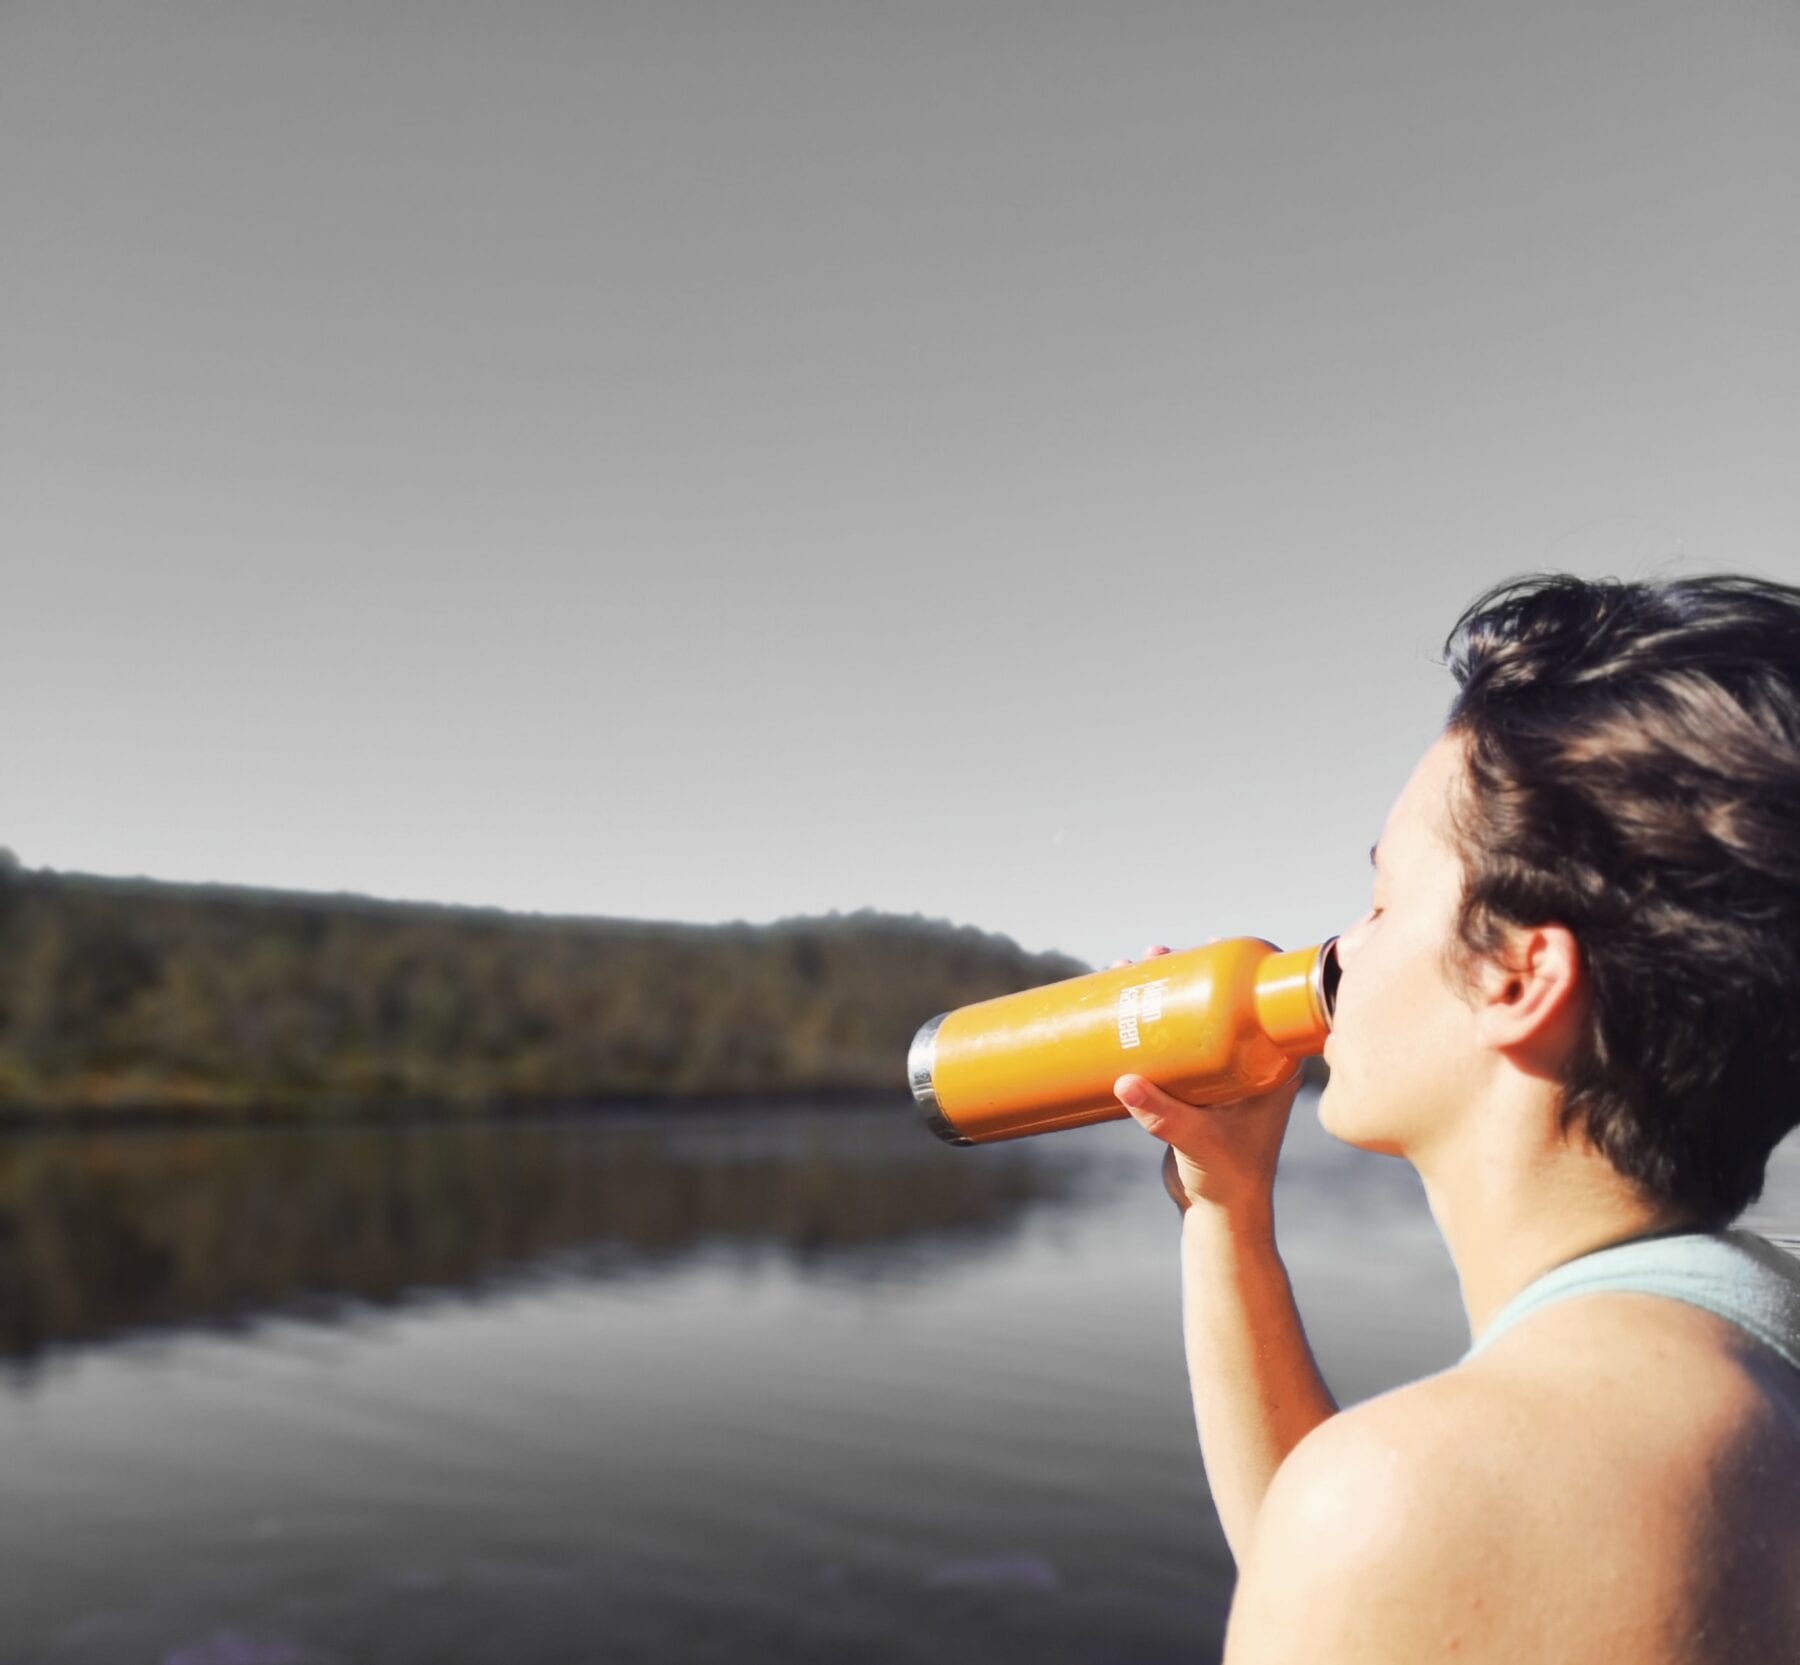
(1326, 973)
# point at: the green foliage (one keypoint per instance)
(120, 995)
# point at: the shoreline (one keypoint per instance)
(23, 1119)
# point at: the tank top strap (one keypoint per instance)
(1735, 1274)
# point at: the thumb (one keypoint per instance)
(1154, 1110)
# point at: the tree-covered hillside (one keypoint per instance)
(123, 994)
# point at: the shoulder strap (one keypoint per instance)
(1736, 1274)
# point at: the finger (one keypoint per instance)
(1171, 1178)
(1158, 948)
(1178, 1121)
(1151, 1108)
(1117, 963)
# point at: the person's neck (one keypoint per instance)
(1513, 1200)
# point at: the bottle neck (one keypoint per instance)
(1294, 996)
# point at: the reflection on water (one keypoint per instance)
(795, 1385)
(105, 1232)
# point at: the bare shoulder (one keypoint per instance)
(1622, 1483)
(1384, 1536)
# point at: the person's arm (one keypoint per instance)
(1257, 1392)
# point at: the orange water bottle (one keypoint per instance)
(1209, 1025)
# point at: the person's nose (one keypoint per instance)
(1350, 940)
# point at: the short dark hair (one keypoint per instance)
(1633, 774)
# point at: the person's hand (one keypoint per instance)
(1223, 1155)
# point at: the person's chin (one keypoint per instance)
(1330, 1098)
(1338, 1116)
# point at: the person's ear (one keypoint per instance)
(1529, 996)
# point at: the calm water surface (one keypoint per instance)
(787, 1384)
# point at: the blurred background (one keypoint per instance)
(572, 572)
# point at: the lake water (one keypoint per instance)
(785, 1383)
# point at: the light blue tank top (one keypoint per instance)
(1736, 1274)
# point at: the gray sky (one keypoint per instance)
(1011, 462)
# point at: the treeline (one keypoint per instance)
(130, 994)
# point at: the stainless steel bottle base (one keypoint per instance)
(919, 1059)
